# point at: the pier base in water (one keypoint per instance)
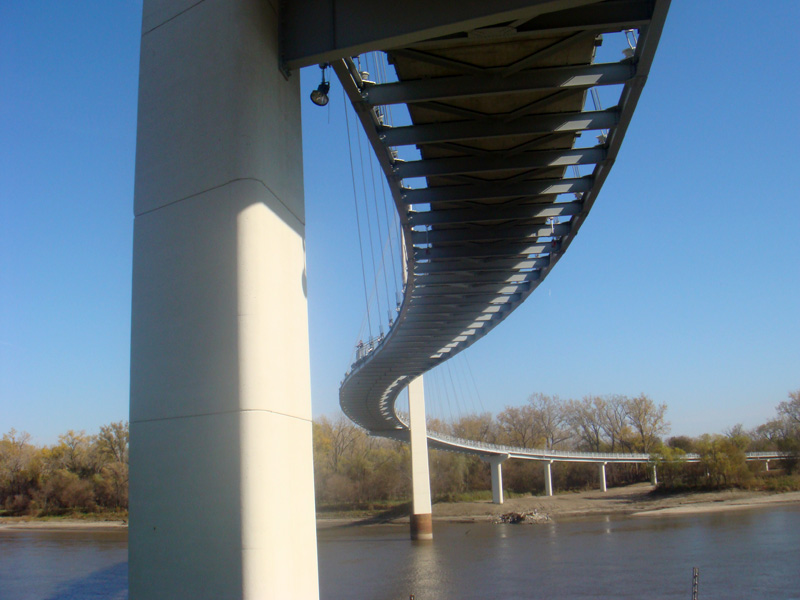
(421, 527)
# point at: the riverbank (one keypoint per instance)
(60, 524)
(633, 500)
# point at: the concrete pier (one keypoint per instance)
(654, 476)
(221, 483)
(603, 477)
(496, 464)
(548, 478)
(421, 522)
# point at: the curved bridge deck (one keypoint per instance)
(496, 115)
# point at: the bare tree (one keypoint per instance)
(550, 419)
(789, 410)
(73, 452)
(112, 441)
(475, 427)
(338, 437)
(517, 426)
(647, 420)
(17, 456)
(614, 420)
(585, 418)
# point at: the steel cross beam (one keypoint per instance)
(486, 129)
(551, 78)
(499, 162)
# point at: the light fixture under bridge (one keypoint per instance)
(320, 95)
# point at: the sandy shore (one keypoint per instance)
(16, 523)
(633, 500)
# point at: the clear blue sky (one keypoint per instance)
(683, 283)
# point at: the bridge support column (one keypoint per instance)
(548, 478)
(421, 521)
(496, 464)
(221, 479)
(654, 476)
(603, 477)
(766, 465)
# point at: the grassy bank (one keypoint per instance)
(765, 482)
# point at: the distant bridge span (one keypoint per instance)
(497, 454)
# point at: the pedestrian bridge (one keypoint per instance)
(502, 118)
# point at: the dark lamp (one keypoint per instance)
(320, 95)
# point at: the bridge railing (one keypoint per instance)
(484, 448)
(543, 454)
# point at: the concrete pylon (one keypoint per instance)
(654, 476)
(496, 463)
(548, 478)
(221, 483)
(603, 477)
(421, 521)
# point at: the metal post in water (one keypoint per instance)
(695, 582)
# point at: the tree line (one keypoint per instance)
(722, 456)
(353, 469)
(84, 473)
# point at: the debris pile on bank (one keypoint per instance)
(525, 517)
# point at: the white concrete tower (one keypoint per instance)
(548, 478)
(421, 522)
(222, 499)
(496, 464)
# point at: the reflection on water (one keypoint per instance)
(741, 555)
(63, 565)
(111, 582)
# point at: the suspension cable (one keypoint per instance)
(358, 219)
(474, 383)
(369, 223)
(468, 404)
(447, 398)
(389, 234)
(456, 396)
(372, 163)
(432, 395)
(376, 64)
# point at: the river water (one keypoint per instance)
(750, 554)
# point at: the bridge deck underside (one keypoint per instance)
(496, 115)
